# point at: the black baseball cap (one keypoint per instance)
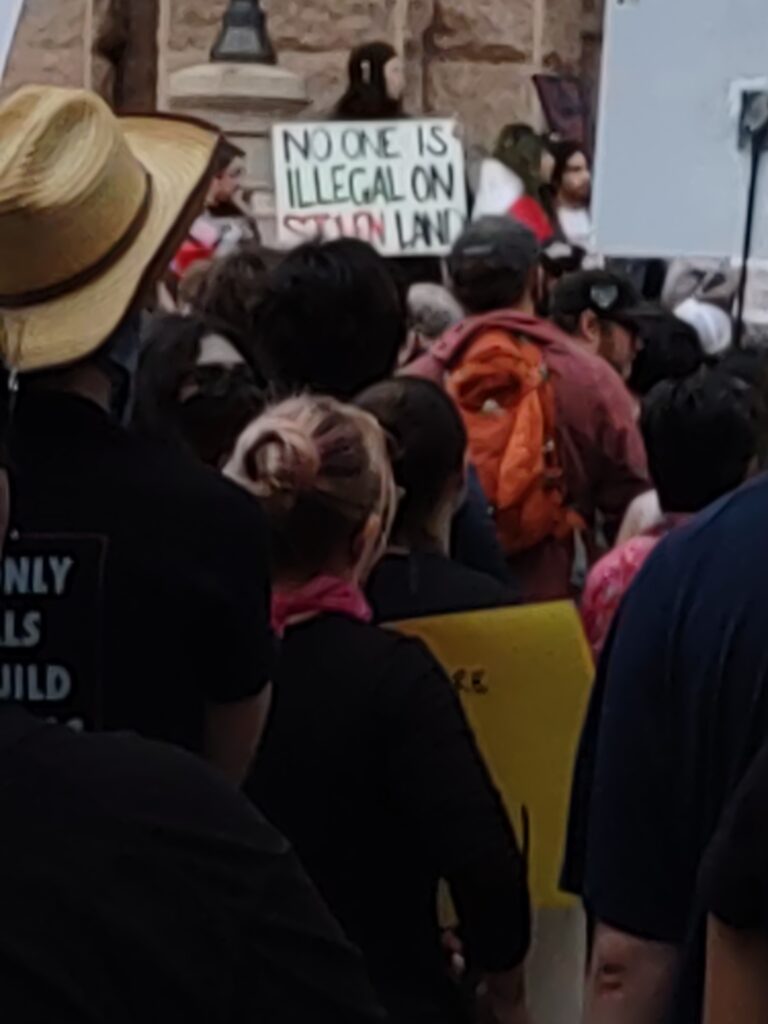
(610, 296)
(494, 244)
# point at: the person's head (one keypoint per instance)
(321, 472)
(195, 389)
(702, 436)
(494, 265)
(571, 174)
(669, 350)
(600, 309)
(93, 208)
(557, 260)
(233, 291)
(376, 84)
(228, 177)
(333, 319)
(713, 326)
(432, 310)
(521, 150)
(428, 446)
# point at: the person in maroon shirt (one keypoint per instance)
(494, 267)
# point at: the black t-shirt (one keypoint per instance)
(136, 885)
(679, 711)
(734, 878)
(370, 769)
(421, 584)
(162, 569)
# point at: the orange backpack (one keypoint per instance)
(502, 387)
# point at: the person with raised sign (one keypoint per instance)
(163, 627)
(368, 764)
(428, 447)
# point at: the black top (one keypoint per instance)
(180, 613)
(423, 583)
(734, 879)
(136, 885)
(679, 711)
(370, 769)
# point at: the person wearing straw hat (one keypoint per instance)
(144, 604)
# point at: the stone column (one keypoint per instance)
(244, 100)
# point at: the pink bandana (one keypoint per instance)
(323, 594)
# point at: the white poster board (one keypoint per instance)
(670, 179)
(399, 185)
(10, 12)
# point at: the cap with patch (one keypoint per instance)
(610, 296)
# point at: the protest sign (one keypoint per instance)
(51, 599)
(524, 676)
(10, 12)
(672, 172)
(399, 185)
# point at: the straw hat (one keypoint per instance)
(91, 206)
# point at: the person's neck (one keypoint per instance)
(564, 203)
(86, 381)
(526, 306)
(435, 536)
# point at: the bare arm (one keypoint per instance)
(233, 733)
(629, 980)
(737, 976)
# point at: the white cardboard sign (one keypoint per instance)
(10, 12)
(670, 178)
(399, 185)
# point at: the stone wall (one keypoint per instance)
(472, 58)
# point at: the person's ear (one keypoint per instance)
(589, 328)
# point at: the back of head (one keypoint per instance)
(200, 407)
(493, 265)
(321, 472)
(669, 350)
(333, 319)
(713, 326)
(428, 444)
(701, 434)
(233, 291)
(520, 149)
(432, 310)
(367, 97)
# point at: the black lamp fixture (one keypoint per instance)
(243, 38)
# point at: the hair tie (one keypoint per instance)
(365, 68)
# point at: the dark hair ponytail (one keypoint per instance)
(428, 444)
(367, 98)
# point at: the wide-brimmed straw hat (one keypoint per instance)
(91, 206)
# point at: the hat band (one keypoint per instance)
(84, 277)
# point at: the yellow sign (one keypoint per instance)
(524, 676)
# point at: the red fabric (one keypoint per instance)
(612, 577)
(601, 449)
(323, 594)
(531, 213)
(191, 252)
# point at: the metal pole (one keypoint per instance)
(243, 37)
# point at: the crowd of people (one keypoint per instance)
(307, 449)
